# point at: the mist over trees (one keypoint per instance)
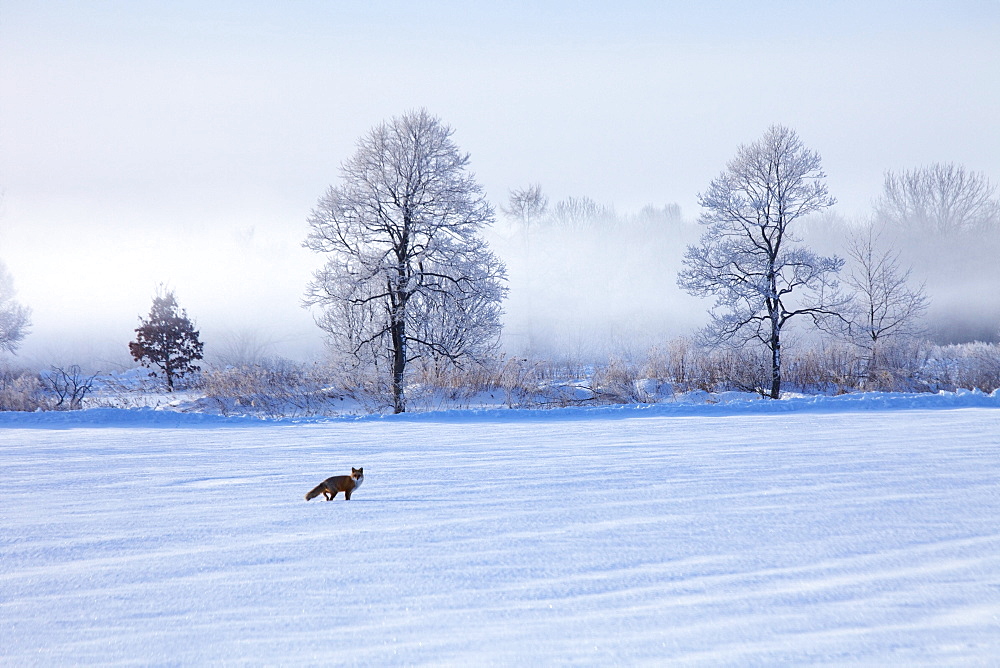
(944, 220)
(408, 275)
(940, 200)
(588, 281)
(942, 224)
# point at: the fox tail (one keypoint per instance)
(316, 491)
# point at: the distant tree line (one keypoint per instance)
(754, 256)
(410, 294)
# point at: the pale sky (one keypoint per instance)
(186, 142)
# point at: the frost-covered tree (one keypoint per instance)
(407, 276)
(526, 206)
(167, 340)
(749, 257)
(942, 199)
(885, 306)
(15, 318)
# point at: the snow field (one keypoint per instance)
(841, 538)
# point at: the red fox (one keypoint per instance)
(338, 483)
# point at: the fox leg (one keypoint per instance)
(347, 494)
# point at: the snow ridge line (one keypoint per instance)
(706, 406)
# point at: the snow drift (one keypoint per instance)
(728, 534)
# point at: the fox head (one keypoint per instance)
(357, 474)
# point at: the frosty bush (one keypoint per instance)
(22, 391)
(829, 368)
(620, 382)
(273, 388)
(68, 385)
(278, 388)
(129, 388)
(969, 366)
(447, 385)
(677, 362)
(519, 378)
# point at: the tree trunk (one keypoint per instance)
(774, 313)
(398, 330)
(775, 360)
(871, 367)
(168, 371)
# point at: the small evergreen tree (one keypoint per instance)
(167, 340)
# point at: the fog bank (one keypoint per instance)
(592, 284)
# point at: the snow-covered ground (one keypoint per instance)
(758, 533)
